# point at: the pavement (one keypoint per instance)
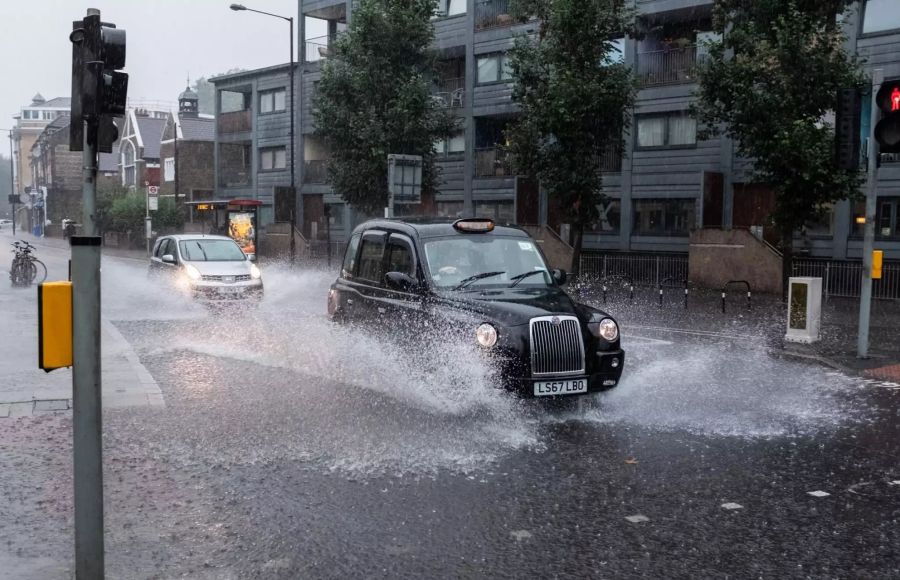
(26, 390)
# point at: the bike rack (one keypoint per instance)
(729, 283)
(686, 291)
(623, 277)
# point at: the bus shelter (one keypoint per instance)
(236, 218)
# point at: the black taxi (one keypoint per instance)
(491, 285)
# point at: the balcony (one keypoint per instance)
(668, 67)
(611, 161)
(450, 93)
(492, 162)
(320, 47)
(492, 14)
(235, 122)
(315, 171)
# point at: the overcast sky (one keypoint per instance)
(167, 41)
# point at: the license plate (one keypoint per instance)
(228, 279)
(544, 388)
(229, 290)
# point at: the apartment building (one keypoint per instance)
(667, 183)
(29, 124)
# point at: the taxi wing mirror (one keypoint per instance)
(168, 259)
(401, 281)
(560, 276)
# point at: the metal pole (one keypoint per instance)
(86, 382)
(147, 229)
(12, 182)
(293, 140)
(865, 298)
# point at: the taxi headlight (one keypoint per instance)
(254, 272)
(606, 329)
(192, 272)
(486, 335)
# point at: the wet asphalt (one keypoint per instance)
(290, 448)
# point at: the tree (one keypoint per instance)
(206, 92)
(374, 100)
(769, 84)
(574, 92)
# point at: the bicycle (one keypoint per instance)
(26, 269)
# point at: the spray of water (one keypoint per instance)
(363, 402)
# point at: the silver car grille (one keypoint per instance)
(557, 347)
(235, 278)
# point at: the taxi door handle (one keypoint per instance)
(381, 310)
(350, 301)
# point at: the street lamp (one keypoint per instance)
(12, 183)
(239, 8)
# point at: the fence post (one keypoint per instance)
(657, 269)
(604, 265)
(827, 275)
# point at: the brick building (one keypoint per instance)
(187, 151)
(55, 171)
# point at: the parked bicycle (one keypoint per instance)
(26, 269)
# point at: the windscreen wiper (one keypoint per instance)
(519, 277)
(465, 282)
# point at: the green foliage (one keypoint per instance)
(574, 96)
(125, 214)
(768, 85)
(206, 92)
(374, 100)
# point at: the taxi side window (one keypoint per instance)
(400, 258)
(371, 258)
(350, 257)
(159, 247)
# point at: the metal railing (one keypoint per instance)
(450, 92)
(319, 47)
(235, 121)
(843, 278)
(315, 171)
(670, 66)
(640, 269)
(492, 14)
(611, 161)
(492, 162)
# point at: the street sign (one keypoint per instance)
(153, 198)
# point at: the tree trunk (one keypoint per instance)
(787, 250)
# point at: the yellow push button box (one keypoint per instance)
(54, 325)
(877, 260)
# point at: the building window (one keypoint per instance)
(450, 8)
(450, 209)
(272, 101)
(502, 212)
(129, 177)
(822, 225)
(664, 217)
(336, 214)
(880, 15)
(455, 145)
(272, 158)
(47, 115)
(670, 130)
(169, 169)
(609, 217)
(493, 68)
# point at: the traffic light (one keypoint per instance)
(887, 131)
(99, 90)
(847, 129)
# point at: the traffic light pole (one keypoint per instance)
(865, 297)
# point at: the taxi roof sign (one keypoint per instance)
(474, 225)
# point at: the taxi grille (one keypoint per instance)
(556, 346)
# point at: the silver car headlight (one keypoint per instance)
(254, 272)
(486, 335)
(606, 329)
(192, 272)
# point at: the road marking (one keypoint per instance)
(895, 482)
(818, 493)
(732, 506)
(520, 535)
(659, 341)
(637, 519)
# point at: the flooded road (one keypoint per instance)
(290, 447)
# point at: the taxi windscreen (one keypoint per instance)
(485, 261)
(211, 251)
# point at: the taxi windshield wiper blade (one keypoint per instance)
(466, 281)
(519, 277)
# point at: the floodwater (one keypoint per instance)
(282, 382)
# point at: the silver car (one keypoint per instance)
(210, 268)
